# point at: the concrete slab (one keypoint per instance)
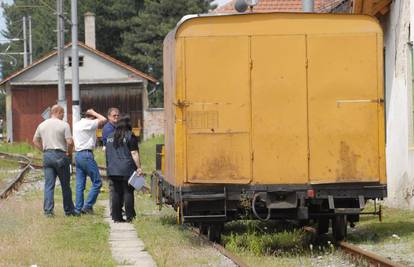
(127, 249)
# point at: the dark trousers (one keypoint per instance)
(122, 192)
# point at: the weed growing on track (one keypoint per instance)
(8, 170)
(265, 238)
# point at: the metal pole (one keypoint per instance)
(307, 6)
(61, 56)
(75, 63)
(24, 43)
(30, 41)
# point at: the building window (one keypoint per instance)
(80, 59)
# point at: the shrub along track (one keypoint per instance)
(17, 181)
(357, 254)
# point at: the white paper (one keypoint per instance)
(136, 181)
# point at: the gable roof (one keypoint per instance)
(94, 51)
(321, 6)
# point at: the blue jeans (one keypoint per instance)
(86, 166)
(56, 163)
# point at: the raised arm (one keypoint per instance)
(101, 119)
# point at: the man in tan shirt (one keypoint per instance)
(54, 138)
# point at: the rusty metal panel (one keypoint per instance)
(343, 108)
(28, 103)
(218, 144)
(279, 109)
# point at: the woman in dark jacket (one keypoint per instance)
(122, 159)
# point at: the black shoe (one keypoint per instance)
(87, 211)
(119, 221)
(130, 219)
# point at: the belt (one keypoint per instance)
(54, 150)
(85, 150)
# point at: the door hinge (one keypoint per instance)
(251, 64)
(306, 63)
(252, 155)
(308, 155)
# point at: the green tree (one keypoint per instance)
(142, 44)
(111, 21)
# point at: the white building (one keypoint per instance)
(399, 77)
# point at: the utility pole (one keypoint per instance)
(24, 43)
(75, 63)
(61, 56)
(30, 41)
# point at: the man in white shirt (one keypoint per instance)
(84, 137)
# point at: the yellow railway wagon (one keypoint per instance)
(278, 114)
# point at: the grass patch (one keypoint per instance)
(20, 148)
(171, 244)
(28, 238)
(8, 169)
(396, 225)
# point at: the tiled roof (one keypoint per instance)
(321, 6)
(97, 52)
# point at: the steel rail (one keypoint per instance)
(358, 253)
(377, 260)
(234, 258)
(15, 183)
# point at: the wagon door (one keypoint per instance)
(279, 109)
(217, 111)
(344, 103)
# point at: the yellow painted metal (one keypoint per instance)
(218, 144)
(279, 109)
(343, 108)
(274, 99)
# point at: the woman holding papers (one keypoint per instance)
(122, 160)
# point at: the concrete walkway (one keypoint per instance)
(127, 249)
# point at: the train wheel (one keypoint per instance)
(339, 227)
(323, 226)
(214, 232)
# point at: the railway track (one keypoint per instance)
(358, 254)
(234, 258)
(17, 181)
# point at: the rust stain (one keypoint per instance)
(220, 167)
(347, 164)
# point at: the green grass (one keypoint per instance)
(8, 170)
(29, 238)
(261, 238)
(168, 243)
(394, 222)
(20, 148)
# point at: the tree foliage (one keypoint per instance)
(129, 30)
